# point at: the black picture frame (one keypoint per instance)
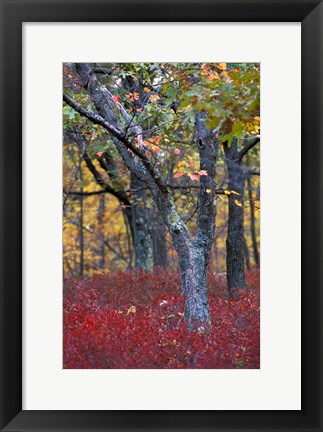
(13, 14)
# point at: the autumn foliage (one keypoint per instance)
(135, 320)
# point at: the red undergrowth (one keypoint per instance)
(135, 320)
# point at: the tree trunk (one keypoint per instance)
(101, 251)
(194, 281)
(235, 237)
(159, 239)
(192, 263)
(141, 223)
(81, 233)
(246, 254)
(216, 256)
(253, 223)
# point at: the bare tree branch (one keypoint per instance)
(216, 191)
(88, 193)
(98, 236)
(248, 146)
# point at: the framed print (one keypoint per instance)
(143, 304)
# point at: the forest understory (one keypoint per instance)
(135, 320)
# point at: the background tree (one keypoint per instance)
(235, 238)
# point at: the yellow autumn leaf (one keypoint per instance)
(132, 309)
(147, 89)
(208, 190)
(154, 97)
(238, 203)
(214, 76)
(235, 193)
(221, 66)
(227, 192)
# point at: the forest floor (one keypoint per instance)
(135, 320)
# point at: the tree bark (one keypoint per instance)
(81, 233)
(142, 237)
(235, 237)
(193, 269)
(192, 264)
(159, 239)
(101, 251)
(246, 254)
(253, 223)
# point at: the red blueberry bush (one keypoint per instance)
(135, 320)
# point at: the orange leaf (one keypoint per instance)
(99, 154)
(133, 96)
(179, 174)
(156, 149)
(177, 151)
